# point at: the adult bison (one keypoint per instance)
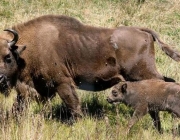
(62, 53)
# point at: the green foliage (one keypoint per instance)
(3, 12)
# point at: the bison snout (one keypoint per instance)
(109, 100)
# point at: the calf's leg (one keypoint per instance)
(175, 126)
(139, 112)
(156, 120)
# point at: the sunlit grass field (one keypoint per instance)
(102, 121)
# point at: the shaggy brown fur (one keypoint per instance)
(63, 54)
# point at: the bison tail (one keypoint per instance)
(166, 48)
(169, 51)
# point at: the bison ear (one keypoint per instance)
(123, 88)
(20, 49)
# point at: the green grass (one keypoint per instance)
(101, 121)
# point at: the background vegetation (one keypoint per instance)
(102, 121)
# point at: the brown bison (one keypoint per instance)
(62, 54)
(145, 98)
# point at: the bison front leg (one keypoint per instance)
(69, 96)
(24, 93)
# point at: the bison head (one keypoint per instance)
(117, 93)
(9, 61)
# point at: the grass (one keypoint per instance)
(102, 120)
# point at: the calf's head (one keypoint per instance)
(117, 93)
(9, 61)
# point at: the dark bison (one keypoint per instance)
(145, 98)
(62, 54)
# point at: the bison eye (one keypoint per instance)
(8, 58)
(114, 93)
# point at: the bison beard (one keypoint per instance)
(3, 84)
(63, 53)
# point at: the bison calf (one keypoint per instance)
(147, 96)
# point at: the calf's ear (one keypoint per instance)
(123, 88)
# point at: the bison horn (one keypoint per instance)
(15, 39)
